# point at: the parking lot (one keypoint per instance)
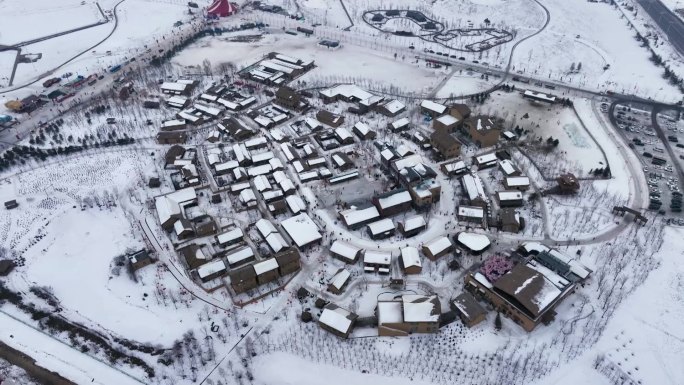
(635, 124)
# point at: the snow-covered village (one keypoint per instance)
(341, 192)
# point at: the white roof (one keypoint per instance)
(336, 319)
(387, 154)
(455, 166)
(517, 181)
(512, 195)
(347, 91)
(227, 103)
(229, 235)
(414, 222)
(265, 266)
(301, 229)
(240, 186)
(179, 227)
(486, 158)
(381, 226)
(483, 280)
(173, 122)
(400, 123)
(339, 279)
(432, 106)
(507, 166)
(276, 242)
(261, 183)
(438, 245)
(295, 203)
(354, 216)
(447, 120)
(312, 123)
(409, 161)
(471, 211)
(307, 176)
(211, 268)
(473, 186)
(169, 205)
(342, 133)
(344, 249)
(177, 100)
(213, 111)
(377, 257)
(394, 106)
(240, 255)
(362, 127)
(262, 157)
(394, 199)
(272, 194)
(173, 86)
(263, 121)
(265, 227)
(539, 95)
(247, 195)
(475, 242)
(259, 170)
(390, 312)
(275, 164)
(410, 257)
(419, 308)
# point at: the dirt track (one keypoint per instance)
(38, 373)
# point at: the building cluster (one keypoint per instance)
(527, 285)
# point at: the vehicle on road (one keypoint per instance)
(50, 82)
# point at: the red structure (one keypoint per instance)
(221, 8)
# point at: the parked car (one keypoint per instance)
(50, 82)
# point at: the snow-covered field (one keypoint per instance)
(79, 214)
(596, 35)
(44, 17)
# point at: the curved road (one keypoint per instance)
(116, 24)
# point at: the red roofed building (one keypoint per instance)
(221, 8)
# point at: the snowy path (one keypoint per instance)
(56, 355)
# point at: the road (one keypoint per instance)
(668, 22)
(116, 24)
(59, 356)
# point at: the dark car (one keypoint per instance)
(648, 155)
(50, 82)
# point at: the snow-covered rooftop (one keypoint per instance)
(345, 250)
(396, 199)
(377, 257)
(240, 255)
(410, 257)
(265, 266)
(420, 308)
(302, 229)
(390, 312)
(336, 318)
(517, 181)
(381, 226)
(432, 106)
(447, 120)
(475, 242)
(414, 222)
(354, 216)
(438, 245)
(211, 268)
(471, 211)
(339, 279)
